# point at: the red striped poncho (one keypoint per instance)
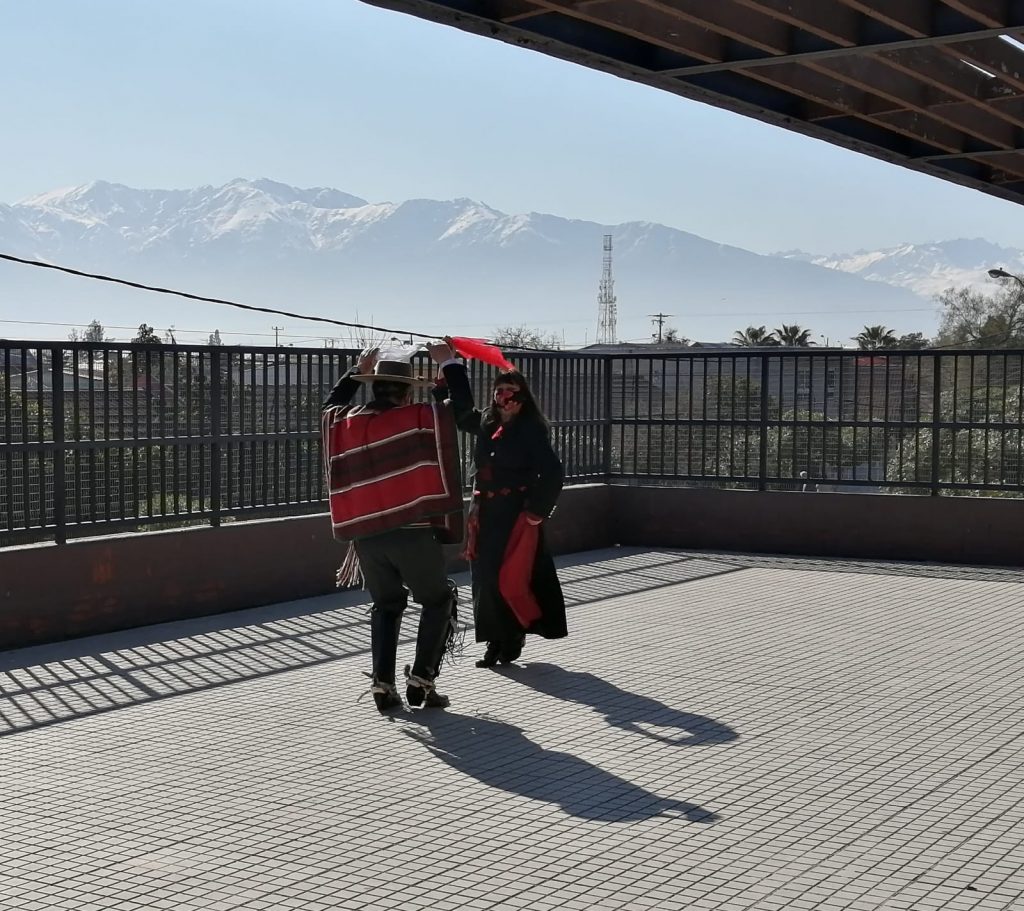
(391, 468)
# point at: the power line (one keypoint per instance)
(243, 332)
(209, 300)
(229, 303)
(350, 325)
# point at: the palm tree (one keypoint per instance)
(875, 337)
(793, 336)
(754, 337)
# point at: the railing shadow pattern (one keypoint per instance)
(50, 684)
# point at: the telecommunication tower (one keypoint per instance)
(606, 299)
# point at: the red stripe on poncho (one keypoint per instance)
(390, 468)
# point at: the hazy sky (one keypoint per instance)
(337, 93)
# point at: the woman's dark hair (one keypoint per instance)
(529, 410)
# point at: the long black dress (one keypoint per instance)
(516, 471)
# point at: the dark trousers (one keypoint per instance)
(394, 565)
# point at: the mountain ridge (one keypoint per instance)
(439, 263)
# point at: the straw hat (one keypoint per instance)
(393, 372)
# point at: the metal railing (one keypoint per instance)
(910, 422)
(97, 438)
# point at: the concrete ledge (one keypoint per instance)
(90, 586)
(973, 530)
(96, 585)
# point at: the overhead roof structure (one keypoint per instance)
(934, 85)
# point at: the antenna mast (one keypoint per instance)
(606, 334)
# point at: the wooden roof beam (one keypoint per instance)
(736, 64)
(998, 57)
(838, 24)
(642, 23)
(988, 12)
(913, 17)
(856, 101)
(958, 79)
(904, 89)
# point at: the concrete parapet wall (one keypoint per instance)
(972, 530)
(95, 585)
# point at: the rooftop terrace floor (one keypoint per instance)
(718, 732)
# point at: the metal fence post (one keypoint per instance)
(936, 416)
(607, 429)
(215, 445)
(762, 456)
(57, 416)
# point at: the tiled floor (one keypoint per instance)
(718, 732)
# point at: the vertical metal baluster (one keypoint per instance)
(9, 439)
(76, 430)
(59, 467)
(937, 417)
(265, 446)
(955, 430)
(41, 438)
(121, 403)
(205, 404)
(810, 414)
(762, 457)
(227, 371)
(216, 443)
(148, 451)
(189, 445)
(25, 472)
(1004, 421)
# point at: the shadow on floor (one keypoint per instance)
(500, 755)
(621, 708)
(50, 684)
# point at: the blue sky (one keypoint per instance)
(337, 93)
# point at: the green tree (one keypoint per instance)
(975, 320)
(146, 335)
(975, 456)
(793, 336)
(755, 337)
(911, 341)
(871, 338)
(214, 338)
(95, 332)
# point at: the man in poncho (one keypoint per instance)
(395, 486)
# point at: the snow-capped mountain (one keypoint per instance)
(455, 265)
(926, 269)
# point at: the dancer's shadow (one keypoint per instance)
(621, 708)
(501, 756)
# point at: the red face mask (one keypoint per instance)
(508, 398)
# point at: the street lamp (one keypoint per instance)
(1002, 273)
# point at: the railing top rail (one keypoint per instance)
(735, 351)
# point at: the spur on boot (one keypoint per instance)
(421, 692)
(490, 657)
(385, 696)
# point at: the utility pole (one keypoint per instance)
(659, 319)
(277, 339)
